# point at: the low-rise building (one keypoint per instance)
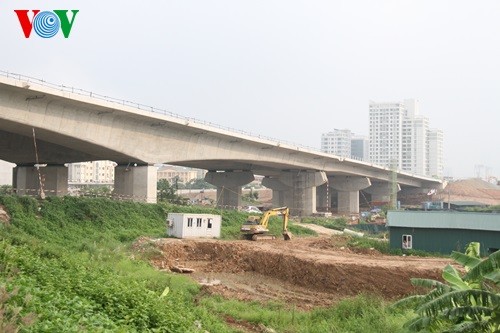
(180, 174)
(443, 231)
(190, 225)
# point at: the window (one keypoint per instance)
(190, 222)
(198, 222)
(209, 225)
(407, 242)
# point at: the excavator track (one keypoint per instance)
(260, 237)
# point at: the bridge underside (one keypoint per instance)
(73, 128)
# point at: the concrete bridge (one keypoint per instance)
(75, 126)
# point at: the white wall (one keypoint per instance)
(178, 225)
(6, 173)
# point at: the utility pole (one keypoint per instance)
(393, 185)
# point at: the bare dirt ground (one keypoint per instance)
(303, 272)
(4, 217)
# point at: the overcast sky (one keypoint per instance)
(283, 68)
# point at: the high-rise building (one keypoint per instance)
(399, 138)
(386, 134)
(436, 163)
(360, 146)
(337, 142)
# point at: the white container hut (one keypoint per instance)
(186, 225)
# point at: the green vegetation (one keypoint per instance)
(359, 314)
(338, 223)
(467, 303)
(66, 262)
(489, 209)
(384, 247)
(199, 183)
(5, 189)
(250, 197)
(95, 191)
(66, 265)
(166, 192)
(232, 220)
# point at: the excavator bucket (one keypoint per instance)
(287, 235)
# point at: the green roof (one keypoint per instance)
(444, 220)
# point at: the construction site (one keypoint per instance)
(303, 272)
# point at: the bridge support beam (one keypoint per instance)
(348, 188)
(381, 192)
(54, 180)
(229, 186)
(296, 190)
(136, 183)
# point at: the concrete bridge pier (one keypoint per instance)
(324, 197)
(229, 186)
(54, 179)
(136, 182)
(297, 190)
(282, 194)
(381, 192)
(348, 188)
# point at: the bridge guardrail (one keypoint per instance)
(152, 109)
(143, 107)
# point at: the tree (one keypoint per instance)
(6, 189)
(199, 183)
(165, 191)
(468, 303)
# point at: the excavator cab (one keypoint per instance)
(256, 227)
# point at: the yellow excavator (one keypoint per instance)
(256, 227)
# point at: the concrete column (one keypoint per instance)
(348, 188)
(282, 194)
(54, 179)
(323, 198)
(381, 192)
(229, 186)
(136, 183)
(297, 190)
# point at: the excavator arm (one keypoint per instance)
(254, 231)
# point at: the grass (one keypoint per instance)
(338, 223)
(66, 265)
(363, 313)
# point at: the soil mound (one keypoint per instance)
(304, 272)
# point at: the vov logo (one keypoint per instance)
(47, 23)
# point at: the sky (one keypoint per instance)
(285, 69)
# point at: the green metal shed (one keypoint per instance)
(443, 231)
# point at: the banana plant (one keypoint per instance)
(462, 303)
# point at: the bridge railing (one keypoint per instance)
(144, 107)
(152, 109)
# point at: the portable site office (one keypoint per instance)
(190, 225)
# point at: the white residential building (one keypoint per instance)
(182, 174)
(360, 148)
(399, 138)
(436, 162)
(95, 172)
(386, 134)
(337, 142)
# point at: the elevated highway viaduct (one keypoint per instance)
(74, 127)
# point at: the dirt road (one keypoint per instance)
(303, 272)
